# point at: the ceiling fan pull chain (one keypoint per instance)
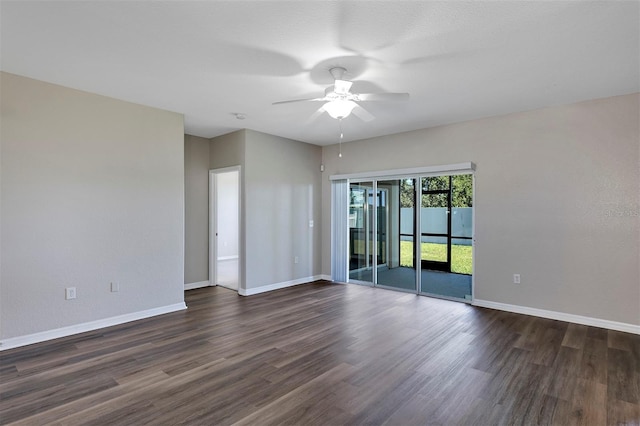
(341, 136)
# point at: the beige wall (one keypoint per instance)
(196, 209)
(557, 201)
(92, 192)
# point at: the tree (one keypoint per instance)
(461, 194)
(407, 193)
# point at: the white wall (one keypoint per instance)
(92, 192)
(227, 214)
(196, 208)
(282, 194)
(557, 201)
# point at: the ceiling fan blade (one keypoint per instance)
(383, 96)
(317, 113)
(362, 113)
(299, 100)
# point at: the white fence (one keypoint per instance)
(434, 220)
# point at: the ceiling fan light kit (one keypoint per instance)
(339, 109)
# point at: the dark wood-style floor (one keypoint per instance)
(327, 354)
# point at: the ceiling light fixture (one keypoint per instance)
(339, 108)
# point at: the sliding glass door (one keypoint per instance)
(435, 233)
(368, 230)
(412, 233)
(396, 225)
(360, 231)
(446, 215)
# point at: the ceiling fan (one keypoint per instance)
(340, 101)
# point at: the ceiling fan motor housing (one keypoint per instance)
(337, 72)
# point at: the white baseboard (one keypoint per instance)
(199, 284)
(325, 277)
(29, 339)
(560, 316)
(277, 286)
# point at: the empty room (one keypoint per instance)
(319, 212)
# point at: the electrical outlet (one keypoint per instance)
(70, 293)
(115, 287)
(296, 259)
(516, 278)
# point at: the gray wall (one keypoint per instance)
(92, 192)
(557, 201)
(196, 209)
(282, 194)
(227, 150)
(201, 155)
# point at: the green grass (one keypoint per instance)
(460, 255)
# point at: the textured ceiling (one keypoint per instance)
(210, 59)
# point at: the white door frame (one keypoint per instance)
(213, 221)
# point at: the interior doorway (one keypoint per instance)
(224, 229)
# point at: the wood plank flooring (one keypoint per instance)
(326, 354)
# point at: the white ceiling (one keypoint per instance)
(209, 59)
